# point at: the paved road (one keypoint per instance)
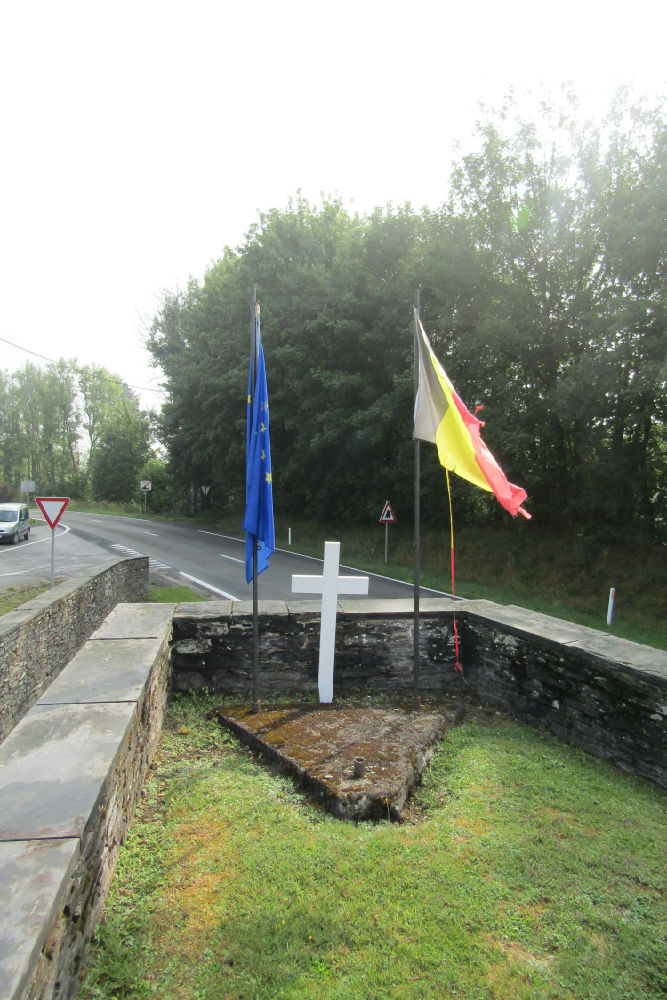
(206, 559)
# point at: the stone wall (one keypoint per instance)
(40, 637)
(606, 695)
(97, 725)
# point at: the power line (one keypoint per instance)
(80, 371)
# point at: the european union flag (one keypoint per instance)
(258, 520)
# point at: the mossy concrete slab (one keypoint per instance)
(318, 747)
(34, 876)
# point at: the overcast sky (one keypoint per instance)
(139, 139)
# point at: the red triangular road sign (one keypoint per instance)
(387, 516)
(52, 508)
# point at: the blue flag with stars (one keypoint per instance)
(258, 520)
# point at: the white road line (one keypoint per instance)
(216, 534)
(355, 569)
(202, 583)
(233, 558)
(124, 550)
(151, 533)
(35, 541)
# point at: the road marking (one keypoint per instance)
(216, 534)
(152, 533)
(123, 549)
(6, 549)
(233, 558)
(96, 520)
(208, 586)
(355, 569)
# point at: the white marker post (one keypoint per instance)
(610, 606)
(52, 508)
(329, 585)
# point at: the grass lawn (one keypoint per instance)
(174, 595)
(14, 597)
(531, 871)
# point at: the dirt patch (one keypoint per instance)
(318, 746)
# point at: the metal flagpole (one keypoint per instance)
(417, 537)
(255, 589)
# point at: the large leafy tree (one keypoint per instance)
(121, 452)
(543, 290)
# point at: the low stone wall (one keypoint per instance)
(70, 775)
(606, 695)
(41, 636)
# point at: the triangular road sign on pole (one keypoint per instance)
(387, 516)
(52, 508)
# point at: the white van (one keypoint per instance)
(14, 522)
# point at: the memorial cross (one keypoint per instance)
(329, 585)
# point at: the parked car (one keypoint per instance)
(14, 522)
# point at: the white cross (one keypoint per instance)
(329, 585)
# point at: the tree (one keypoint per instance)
(542, 289)
(100, 392)
(122, 449)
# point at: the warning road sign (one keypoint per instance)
(52, 508)
(387, 516)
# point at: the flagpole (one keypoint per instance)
(417, 536)
(255, 588)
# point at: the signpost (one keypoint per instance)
(28, 486)
(52, 508)
(387, 517)
(145, 487)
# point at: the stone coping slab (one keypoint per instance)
(318, 746)
(103, 672)
(33, 883)
(44, 600)
(53, 766)
(626, 655)
(136, 621)
(383, 607)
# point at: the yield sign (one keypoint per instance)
(387, 516)
(52, 508)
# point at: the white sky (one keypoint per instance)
(140, 138)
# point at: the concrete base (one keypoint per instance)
(318, 747)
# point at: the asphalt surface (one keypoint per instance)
(203, 558)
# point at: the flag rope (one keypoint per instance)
(451, 535)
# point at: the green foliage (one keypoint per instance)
(63, 426)
(174, 595)
(14, 597)
(163, 495)
(122, 450)
(542, 288)
(532, 872)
